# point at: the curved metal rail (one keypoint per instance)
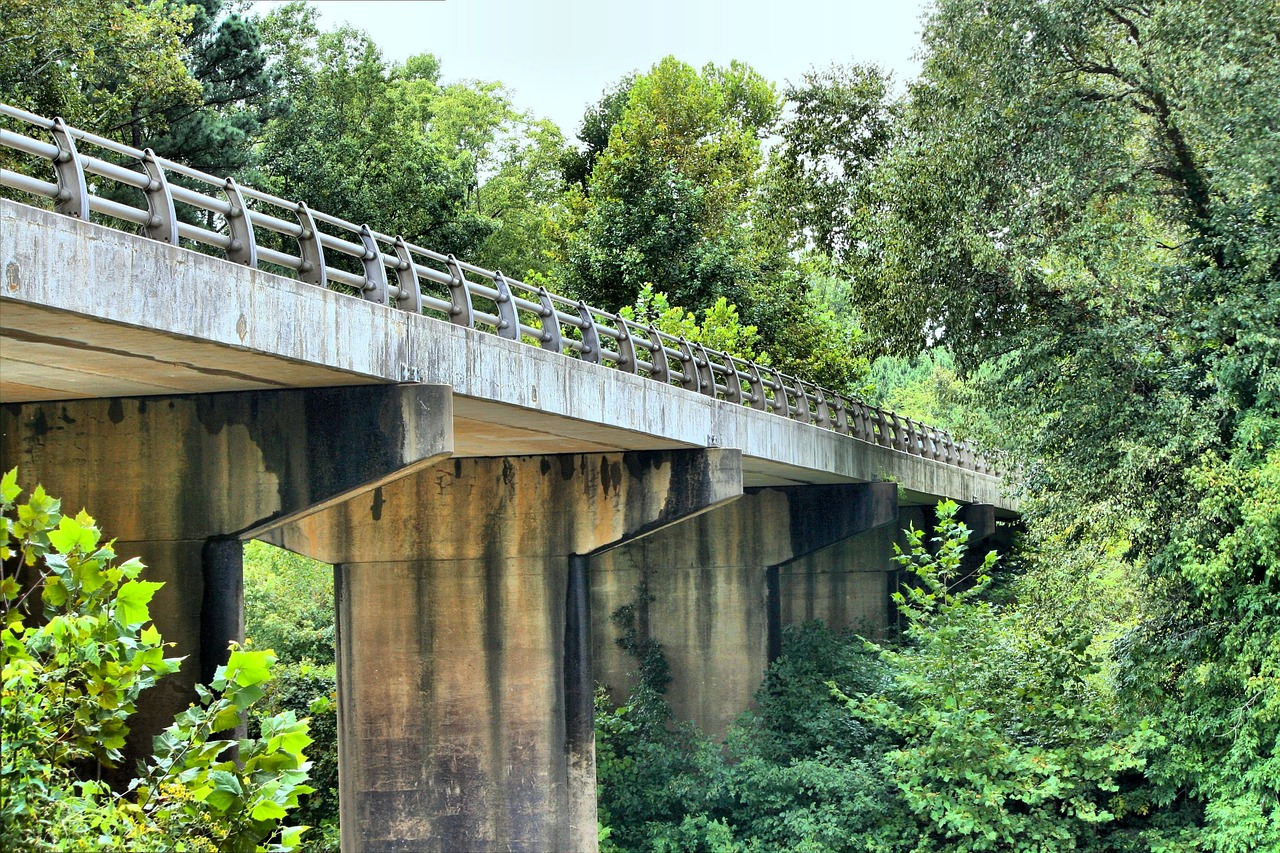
(256, 228)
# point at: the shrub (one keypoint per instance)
(72, 673)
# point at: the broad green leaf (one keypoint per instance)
(132, 600)
(246, 668)
(9, 489)
(243, 697)
(67, 536)
(54, 592)
(225, 780)
(291, 836)
(90, 576)
(225, 720)
(267, 810)
(293, 740)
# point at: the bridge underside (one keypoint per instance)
(473, 594)
(89, 312)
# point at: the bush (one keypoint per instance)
(289, 610)
(1006, 737)
(311, 689)
(72, 674)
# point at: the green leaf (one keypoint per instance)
(293, 740)
(54, 593)
(132, 600)
(290, 836)
(226, 719)
(267, 810)
(226, 790)
(243, 697)
(131, 568)
(249, 668)
(90, 574)
(9, 489)
(67, 536)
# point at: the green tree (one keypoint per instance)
(181, 78)
(385, 145)
(931, 388)
(841, 119)
(721, 328)
(95, 64)
(71, 676)
(1007, 737)
(1089, 212)
(667, 198)
(804, 775)
(523, 195)
(593, 132)
(809, 325)
(289, 608)
(672, 205)
(216, 132)
(288, 604)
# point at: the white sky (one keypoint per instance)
(557, 56)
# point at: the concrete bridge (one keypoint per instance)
(201, 363)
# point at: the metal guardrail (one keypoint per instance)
(256, 228)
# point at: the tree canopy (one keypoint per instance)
(667, 198)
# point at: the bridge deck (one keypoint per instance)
(88, 311)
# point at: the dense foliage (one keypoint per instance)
(1102, 191)
(78, 648)
(797, 774)
(983, 727)
(288, 609)
(1078, 199)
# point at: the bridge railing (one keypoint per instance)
(147, 193)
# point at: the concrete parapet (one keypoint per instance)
(177, 480)
(463, 654)
(719, 587)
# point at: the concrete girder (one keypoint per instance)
(981, 521)
(464, 672)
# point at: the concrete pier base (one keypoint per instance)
(721, 585)
(463, 653)
(178, 481)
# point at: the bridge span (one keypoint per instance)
(488, 497)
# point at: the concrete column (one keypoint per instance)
(724, 583)
(178, 480)
(463, 659)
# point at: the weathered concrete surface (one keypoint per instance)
(462, 653)
(192, 322)
(846, 585)
(175, 479)
(981, 521)
(709, 583)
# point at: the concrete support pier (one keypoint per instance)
(463, 649)
(179, 480)
(720, 587)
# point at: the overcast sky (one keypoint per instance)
(556, 56)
